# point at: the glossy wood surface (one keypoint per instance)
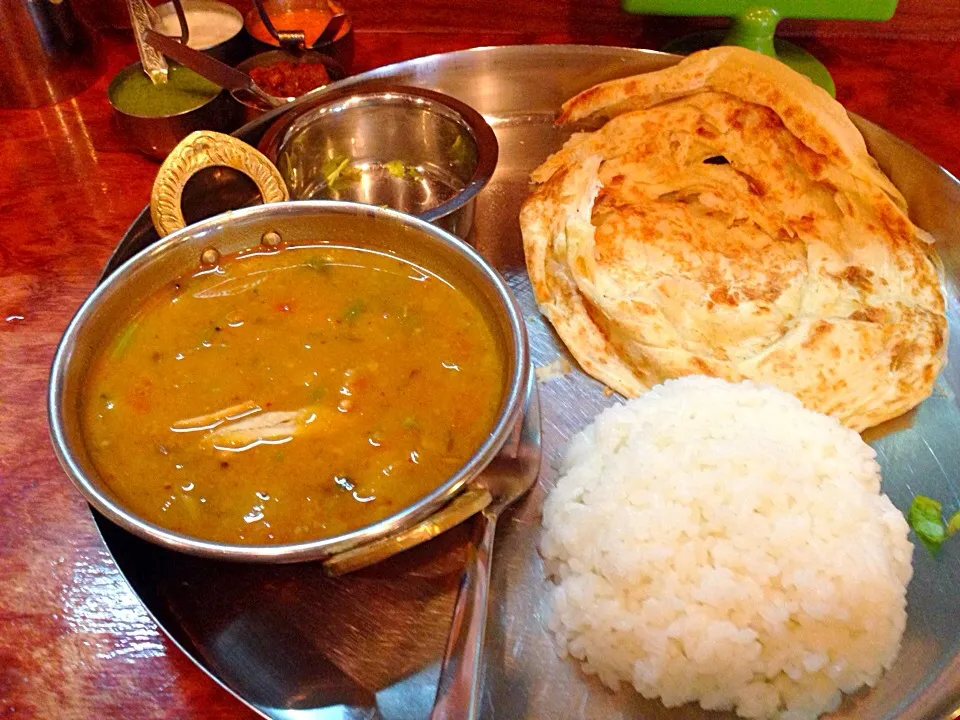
(74, 642)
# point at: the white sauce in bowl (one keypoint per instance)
(209, 23)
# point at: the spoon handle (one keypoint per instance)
(151, 59)
(458, 693)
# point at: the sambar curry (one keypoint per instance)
(292, 394)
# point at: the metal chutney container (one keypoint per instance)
(414, 150)
(157, 135)
(340, 49)
(116, 300)
(251, 109)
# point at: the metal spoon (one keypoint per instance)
(507, 478)
(142, 18)
(213, 70)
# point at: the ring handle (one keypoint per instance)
(465, 505)
(200, 150)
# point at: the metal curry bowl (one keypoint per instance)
(414, 150)
(115, 301)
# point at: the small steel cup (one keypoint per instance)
(230, 50)
(413, 150)
(157, 136)
(251, 107)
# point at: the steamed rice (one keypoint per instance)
(719, 543)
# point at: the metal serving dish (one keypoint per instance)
(413, 150)
(113, 303)
(293, 643)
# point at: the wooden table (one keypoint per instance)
(74, 641)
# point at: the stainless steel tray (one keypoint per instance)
(294, 644)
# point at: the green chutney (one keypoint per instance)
(184, 90)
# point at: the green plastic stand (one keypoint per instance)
(754, 26)
(755, 30)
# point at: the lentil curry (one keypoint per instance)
(292, 394)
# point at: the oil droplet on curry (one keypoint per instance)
(292, 395)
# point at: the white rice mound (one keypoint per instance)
(720, 543)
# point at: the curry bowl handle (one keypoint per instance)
(464, 506)
(197, 151)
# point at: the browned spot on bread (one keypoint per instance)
(765, 292)
(753, 184)
(700, 367)
(722, 296)
(870, 315)
(735, 118)
(859, 277)
(644, 308)
(805, 223)
(901, 354)
(894, 224)
(817, 332)
(604, 196)
(939, 336)
(581, 266)
(816, 164)
(585, 98)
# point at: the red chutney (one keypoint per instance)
(289, 79)
(311, 20)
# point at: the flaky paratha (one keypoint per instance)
(728, 220)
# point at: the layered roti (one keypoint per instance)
(727, 220)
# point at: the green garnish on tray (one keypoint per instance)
(926, 519)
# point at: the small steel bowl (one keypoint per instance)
(230, 49)
(251, 107)
(414, 150)
(157, 136)
(116, 300)
(340, 48)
